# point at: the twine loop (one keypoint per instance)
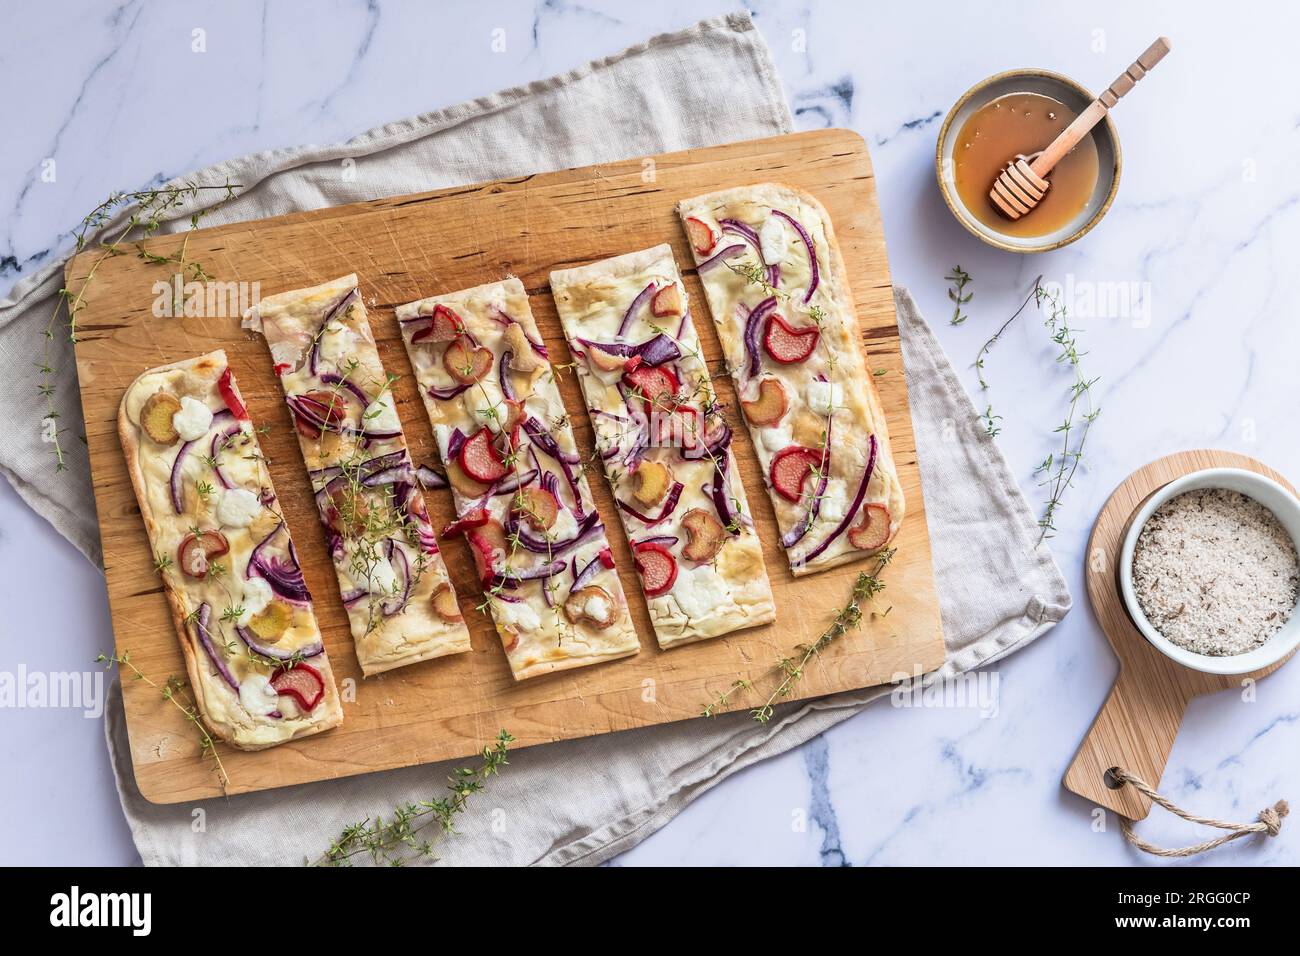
(1268, 822)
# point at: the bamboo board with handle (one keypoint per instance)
(1136, 727)
(404, 248)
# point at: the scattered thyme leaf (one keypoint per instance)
(959, 279)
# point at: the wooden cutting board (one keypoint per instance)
(1136, 727)
(406, 247)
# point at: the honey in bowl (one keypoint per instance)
(1022, 123)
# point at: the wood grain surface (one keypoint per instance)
(1136, 727)
(403, 248)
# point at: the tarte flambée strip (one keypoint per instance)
(780, 299)
(521, 496)
(253, 651)
(665, 445)
(400, 602)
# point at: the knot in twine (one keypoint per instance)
(1269, 820)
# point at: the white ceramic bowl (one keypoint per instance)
(1268, 493)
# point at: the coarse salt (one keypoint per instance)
(1215, 572)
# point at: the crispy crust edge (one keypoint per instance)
(569, 663)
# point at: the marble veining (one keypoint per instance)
(1199, 351)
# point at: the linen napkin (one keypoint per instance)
(579, 801)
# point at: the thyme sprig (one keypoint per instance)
(150, 209)
(865, 589)
(175, 692)
(987, 347)
(403, 836)
(958, 294)
(791, 667)
(1059, 468)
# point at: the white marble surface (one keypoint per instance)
(1207, 221)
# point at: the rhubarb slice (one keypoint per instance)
(657, 567)
(302, 682)
(788, 344)
(790, 468)
(770, 406)
(872, 532)
(480, 459)
(467, 363)
(444, 326)
(705, 536)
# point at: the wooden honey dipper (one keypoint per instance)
(1021, 186)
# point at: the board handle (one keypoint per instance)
(1134, 729)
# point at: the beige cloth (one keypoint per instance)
(579, 801)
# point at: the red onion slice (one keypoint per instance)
(393, 549)
(655, 351)
(709, 448)
(747, 232)
(581, 578)
(277, 653)
(632, 309)
(586, 528)
(334, 310)
(503, 375)
(354, 596)
(717, 490)
(178, 497)
(670, 505)
(338, 381)
(539, 573)
(684, 326)
(201, 631)
(543, 440)
(284, 574)
(735, 249)
(218, 445)
(444, 393)
(389, 476)
(814, 276)
(515, 481)
(552, 484)
(753, 325)
(430, 479)
(849, 514)
(663, 540)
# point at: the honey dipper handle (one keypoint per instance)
(1090, 117)
(1137, 69)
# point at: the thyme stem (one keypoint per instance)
(400, 838)
(174, 692)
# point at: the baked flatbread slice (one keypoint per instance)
(522, 499)
(780, 298)
(665, 445)
(400, 602)
(253, 651)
